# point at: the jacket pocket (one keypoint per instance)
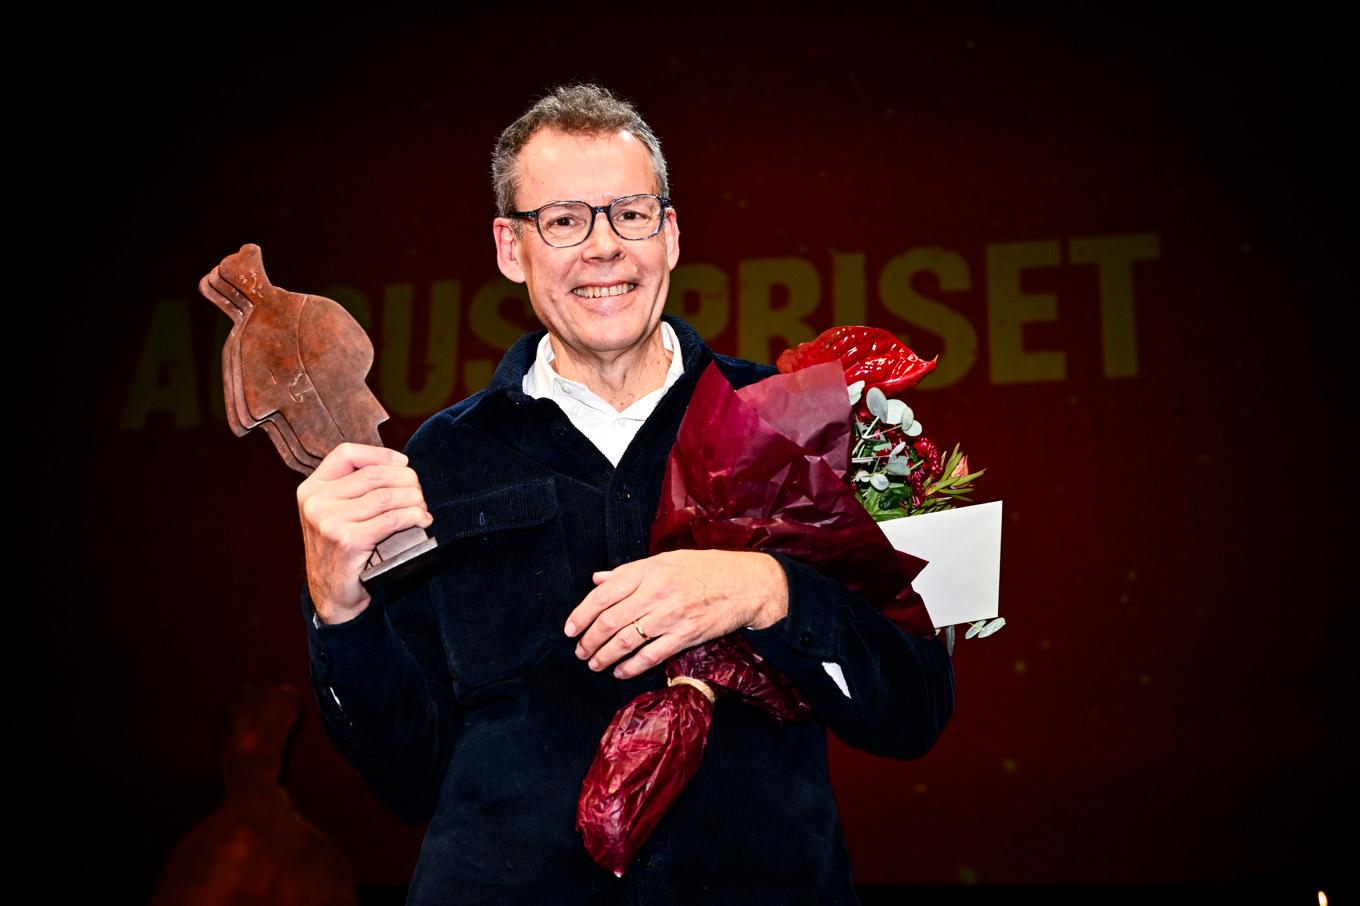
(505, 585)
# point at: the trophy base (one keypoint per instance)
(399, 564)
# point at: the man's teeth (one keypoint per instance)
(595, 292)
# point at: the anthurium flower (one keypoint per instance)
(868, 354)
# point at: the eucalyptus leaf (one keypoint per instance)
(877, 402)
(896, 411)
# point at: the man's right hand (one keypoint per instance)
(354, 499)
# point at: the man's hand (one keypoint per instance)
(681, 599)
(354, 499)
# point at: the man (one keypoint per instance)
(474, 696)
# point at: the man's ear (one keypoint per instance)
(672, 232)
(507, 249)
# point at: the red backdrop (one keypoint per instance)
(1115, 232)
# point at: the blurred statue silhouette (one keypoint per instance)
(256, 848)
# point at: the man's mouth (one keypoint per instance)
(597, 292)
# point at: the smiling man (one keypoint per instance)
(473, 696)
(599, 292)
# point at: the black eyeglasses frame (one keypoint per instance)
(594, 210)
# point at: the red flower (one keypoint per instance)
(868, 354)
(926, 449)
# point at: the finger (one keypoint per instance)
(625, 641)
(329, 507)
(600, 576)
(378, 501)
(385, 487)
(605, 595)
(611, 622)
(657, 651)
(347, 457)
(372, 478)
(366, 535)
(360, 482)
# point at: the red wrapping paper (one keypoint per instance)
(655, 743)
(761, 469)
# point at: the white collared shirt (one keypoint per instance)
(610, 430)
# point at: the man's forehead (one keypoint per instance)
(583, 166)
(551, 135)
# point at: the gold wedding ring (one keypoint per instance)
(637, 625)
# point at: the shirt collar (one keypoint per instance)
(543, 380)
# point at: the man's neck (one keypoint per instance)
(621, 379)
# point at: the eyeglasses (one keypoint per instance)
(563, 224)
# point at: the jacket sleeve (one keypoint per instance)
(382, 684)
(898, 688)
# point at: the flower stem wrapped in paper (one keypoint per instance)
(764, 468)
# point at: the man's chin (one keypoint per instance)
(604, 338)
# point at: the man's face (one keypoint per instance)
(605, 295)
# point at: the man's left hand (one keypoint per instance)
(679, 599)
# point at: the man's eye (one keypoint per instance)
(635, 216)
(564, 222)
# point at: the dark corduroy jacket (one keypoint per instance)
(461, 702)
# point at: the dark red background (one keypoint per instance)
(1163, 703)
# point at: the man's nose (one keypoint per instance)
(602, 241)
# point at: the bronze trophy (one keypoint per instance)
(295, 364)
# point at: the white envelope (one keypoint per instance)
(962, 583)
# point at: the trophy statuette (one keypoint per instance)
(295, 364)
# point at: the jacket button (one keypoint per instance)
(623, 493)
(805, 639)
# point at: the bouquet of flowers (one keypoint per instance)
(767, 468)
(899, 472)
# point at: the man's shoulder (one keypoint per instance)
(455, 454)
(507, 378)
(437, 428)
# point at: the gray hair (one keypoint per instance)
(582, 109)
